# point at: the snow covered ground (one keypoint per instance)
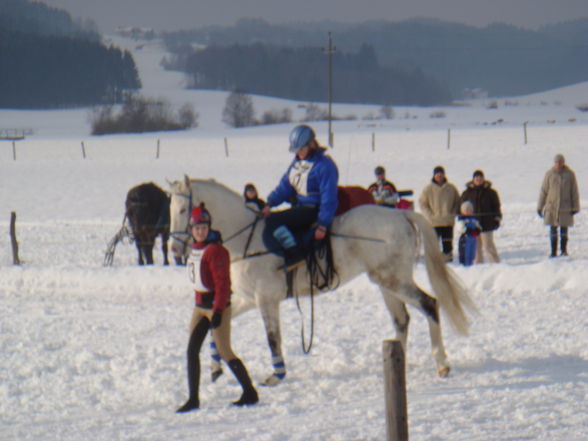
(98, 353)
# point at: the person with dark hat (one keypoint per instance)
(251, 197)
(311, 182)
(559, 202)
(439, 202)
(208, 268)
(383, 191)
(488, 211)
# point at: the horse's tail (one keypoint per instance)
(450, 292)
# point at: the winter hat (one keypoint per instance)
(559, 158)
(379, 170)
(478, 173)
(438, 169)
(200, 215)
(466, 208)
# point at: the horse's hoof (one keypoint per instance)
(215, 374)
(272, 380)
(444, 371)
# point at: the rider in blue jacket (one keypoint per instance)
(310, 185)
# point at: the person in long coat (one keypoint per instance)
(487, 210)
(559, 202)
(439, 202)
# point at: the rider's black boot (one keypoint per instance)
(249, 395)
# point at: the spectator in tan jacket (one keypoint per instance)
(559, 201)
(439, 202)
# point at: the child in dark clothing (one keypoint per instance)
(470, 229)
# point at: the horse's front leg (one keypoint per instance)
(148, 251)
(164, 239)
(140, 260)
(270, 312)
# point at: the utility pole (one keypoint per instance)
(330, 51)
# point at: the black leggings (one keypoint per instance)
(446, 236)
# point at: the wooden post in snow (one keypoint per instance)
(157, 151)
(13, 150)
(448, 138)
(373, 142)
(83, 150)
(15, 259)
(395, 391)
(226, 147)
(525, 130)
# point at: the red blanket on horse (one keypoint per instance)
(352, 196)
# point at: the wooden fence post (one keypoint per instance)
(15, 259)
(13, 150)
(157, 153)
(448, 138)
(83, 150)
(395, 390)
(525, 131)
(226, 147)
(373, 142)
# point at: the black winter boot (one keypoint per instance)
(293, 258)
(193, 357)
(193, 385)
(564, 245)
(249, 395)
(553, 246)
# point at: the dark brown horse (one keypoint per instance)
(147, 209)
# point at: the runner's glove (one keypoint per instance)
(216, 320)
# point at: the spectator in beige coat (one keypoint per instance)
(559, 201)
(439, 202)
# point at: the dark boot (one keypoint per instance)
(193, 357)
(249, 395)
(564, 245)
(553, 246)
(193, 383)
(293, 258)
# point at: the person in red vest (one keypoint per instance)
(209, 271)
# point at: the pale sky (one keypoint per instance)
(187, 14)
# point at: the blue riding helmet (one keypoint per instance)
(300, 136)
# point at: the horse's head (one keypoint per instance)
(179, 209)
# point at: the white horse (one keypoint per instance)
(387, 256)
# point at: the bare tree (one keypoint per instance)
(238, 111)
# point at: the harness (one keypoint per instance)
(184, 237)
(320, 277)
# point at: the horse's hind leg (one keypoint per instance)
(270, 312)
(400, 316)
(418, 298)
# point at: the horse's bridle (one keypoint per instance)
(184, 237)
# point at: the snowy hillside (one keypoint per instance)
(98, 353)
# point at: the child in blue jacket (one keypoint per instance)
(470, 229)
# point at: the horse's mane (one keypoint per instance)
(211, 182)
